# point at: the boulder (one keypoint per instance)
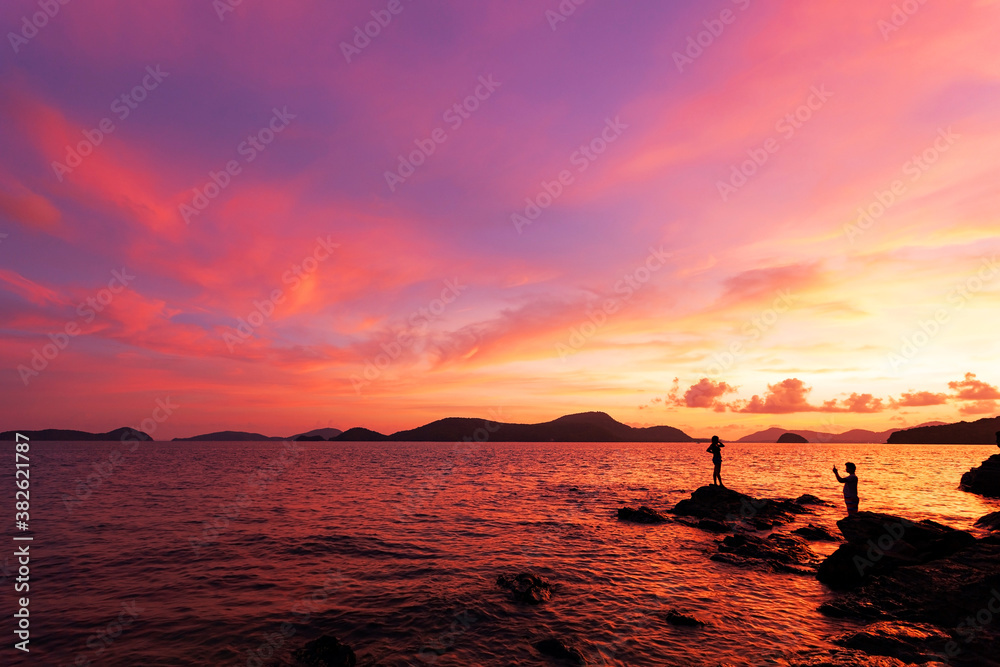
(990, 522)
(642, 515)
(810, 499)
(879, 543)
(525, 587)
(326, 651)
(913, 642)
(674, 617)
(722, 504)
(555, 648)
(815, 533)
(985, 479)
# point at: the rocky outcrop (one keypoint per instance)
(555, 648)
(674, 617)
(791, 437)
(526, 588)
(880, 543)
(776, 553)
(810, 499)
(912, 642)
(959, 595)
(326, 651)
(721, 504)
(851, 658)
(642, 515)
(984, 479)
(990, 522)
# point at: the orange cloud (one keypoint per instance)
(971, 389)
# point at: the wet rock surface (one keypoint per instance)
(642, 515)
(912, 642)
(526, 587)
(815, 533)
(777, 553)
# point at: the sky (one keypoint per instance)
(721, 216)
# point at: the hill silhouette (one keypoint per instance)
(54, 434)
(358, 434)
(979, 432)
(581, 427)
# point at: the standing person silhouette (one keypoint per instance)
(716, 450)
(850, 483)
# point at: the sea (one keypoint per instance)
(239, 553)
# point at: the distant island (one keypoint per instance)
(979, 432)
(580, 427)
(123, 433)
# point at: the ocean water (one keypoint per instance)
(237, 553)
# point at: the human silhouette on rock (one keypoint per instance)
(716, 450)
(850, 483)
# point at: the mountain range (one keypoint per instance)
(581, 427)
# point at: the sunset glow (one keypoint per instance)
(720, 217)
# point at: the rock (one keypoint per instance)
(990, 522)
(326, 651)
(554, 648)
(851, 658)
(642, 515)
(778, 553)
(722, 504)
(880, 543)
(815, 533)
(810, 499)
(526, 588)
(791, 437)
(984, 480)
(674, 617)
(713, 526)
(913, 642)
(956, 594)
